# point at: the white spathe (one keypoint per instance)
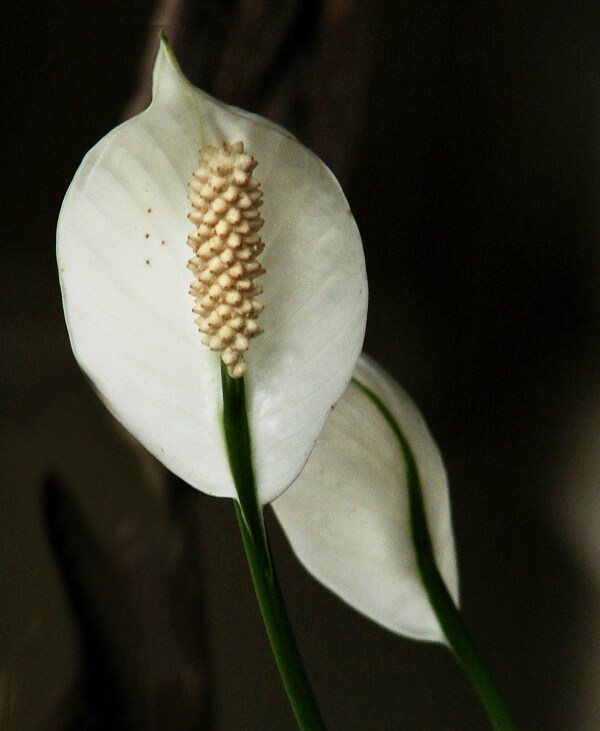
(347, 514)
(122, 256)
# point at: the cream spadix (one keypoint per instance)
(226, 198)
(123, 259)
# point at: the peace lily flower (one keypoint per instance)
(347, 514)
(125, 276)
(123, 259)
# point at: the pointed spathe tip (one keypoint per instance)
(165, 64)
(165, 44)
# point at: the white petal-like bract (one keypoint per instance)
(122, 257)
(347, 514)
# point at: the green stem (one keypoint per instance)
(443, 605)
(250, 518)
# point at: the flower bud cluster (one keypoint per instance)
(225, 199)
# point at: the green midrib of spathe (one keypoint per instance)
(440, 599)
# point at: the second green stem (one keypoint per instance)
(441, 601)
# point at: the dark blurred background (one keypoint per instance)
(467, 138)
